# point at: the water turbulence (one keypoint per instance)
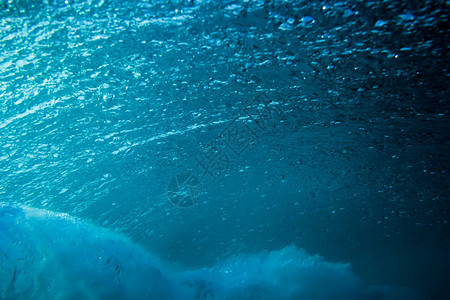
(204, 149)
(40, 262)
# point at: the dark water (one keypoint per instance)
(105, 103)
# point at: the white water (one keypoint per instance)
(44, 255)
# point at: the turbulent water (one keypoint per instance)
(108, 107)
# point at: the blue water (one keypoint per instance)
(226, 150)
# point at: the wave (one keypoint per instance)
(46, 255)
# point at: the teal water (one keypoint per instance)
(104, 103)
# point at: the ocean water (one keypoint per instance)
(224, 149)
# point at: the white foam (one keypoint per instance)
(44, 255)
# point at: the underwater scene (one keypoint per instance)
(205, 149)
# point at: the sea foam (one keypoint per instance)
(45, 255)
